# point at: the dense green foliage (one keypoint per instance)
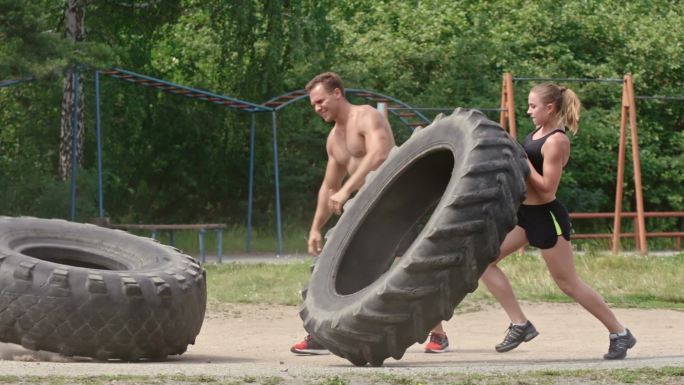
(173, 159)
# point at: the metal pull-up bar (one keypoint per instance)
(11, 82)
(212, 97)
(571, 80)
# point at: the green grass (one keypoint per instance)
(264, 240)
(657, 376)
(257, 283)
(624, 281)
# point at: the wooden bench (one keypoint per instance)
(201, 228)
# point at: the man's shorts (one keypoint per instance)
(543, 224)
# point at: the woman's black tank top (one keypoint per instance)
(533, 149)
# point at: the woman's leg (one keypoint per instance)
(559, 259)
(496, 281)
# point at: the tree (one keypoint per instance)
(74, 30)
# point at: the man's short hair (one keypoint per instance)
(330, 81)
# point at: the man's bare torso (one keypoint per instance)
(347, 143)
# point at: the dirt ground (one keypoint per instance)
(254, 340)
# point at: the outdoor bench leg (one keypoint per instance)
(219, 245)
(201, 245)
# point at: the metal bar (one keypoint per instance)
(98, 129)
(250, 188)
(395, 100)
(201, 245)
(289, 97)
(444, 109)
(647, 214)
(11, 82)
(294, 96)
(641, 224)
(197, 226)
(279, 226)
(502, 104)
(74, 141)
(219, 245)
(578, 80)
(656, 97)
(655, 234)
(617, 223)
(510, 104)
(191, 90)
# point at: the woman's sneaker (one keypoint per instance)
(309, 346)
(619, 346)
(439, 343)
(515, 335)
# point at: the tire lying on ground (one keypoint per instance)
(444, 201)
(83, 290)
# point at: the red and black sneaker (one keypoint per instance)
(309, 346)
(439, 343)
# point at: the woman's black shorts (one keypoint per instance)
(543, 224)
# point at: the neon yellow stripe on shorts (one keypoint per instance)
(555, 223)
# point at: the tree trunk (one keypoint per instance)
(74, 29)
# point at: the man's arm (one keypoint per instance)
(379, 141)
(334, 173)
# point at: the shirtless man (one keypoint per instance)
(357, 144)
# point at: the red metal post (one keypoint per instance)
(617, 223)
(507, 117)
(641, 223)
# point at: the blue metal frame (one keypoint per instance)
(279, 226)
(191, 92)
(273, 105)
(11, 82)
(250, 191)
(284, 100)
(98, 131)
(74, 140)
(212, 97)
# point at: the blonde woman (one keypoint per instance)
(543, 222)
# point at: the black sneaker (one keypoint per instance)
(515, 335)
(619, 345)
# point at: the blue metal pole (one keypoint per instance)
(250, 202)
(99, 144)
(74, 137)
(201, 246)
(279, 226)
(219, 245)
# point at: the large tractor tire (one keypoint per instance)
(83, 290)
(416, 238)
